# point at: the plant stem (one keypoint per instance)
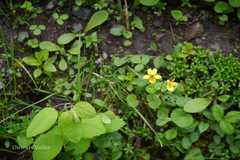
(126, 14)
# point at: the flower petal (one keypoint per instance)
(158, 76)
(149, 71)
(146, 77)
(152, 80)
(154, 71)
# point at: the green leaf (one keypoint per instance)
(170, 134)
(64, 16)
(238, 14)
(37, 72)
(194, 136)
(24, 141)
(119, 61)
(162, 116)
(66, 38)
(226, 127)
(153, 101)
(43, 121)
(48, 146)
(217, 112)
(181, 101)
(115, 124)
(84, 109)
(49, 67)
(196, 105)
(31, 61)
(97, 19)
(49, 46)
(92, 127)
(149, 2)
(203, 126)
(62, 64)
(194, 154)
(224, 98)
(221, 7)
(159, 62)
(137, 23)
(71, 130)
(77, 149)
(76, 48)
(117, 30)
(234, 3)
(181, 119)
(132, 100)
(232, 117)
(186, 142)
(139, 67)
(37, 32)
(42, 55)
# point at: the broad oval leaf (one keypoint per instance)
(170, 134)
(62, 64)
(48, 146)
(92, 127)
(84, 109)
(70, 130)
(43, 121)
(196, 105)
(97, 19)
(115, 124)
(232, 116)
(76, 47)
(65, 38)
(226, 127)
(234, 3)
(217, 112)
(181, 119)
(149, 2)
(49, 46)
(132, 100)
(31, 61)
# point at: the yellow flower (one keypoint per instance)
(152, 76)
(171, 85)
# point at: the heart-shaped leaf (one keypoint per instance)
(48, 146)
(43, 121)
(196, 105)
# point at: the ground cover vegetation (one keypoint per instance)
(67, 99)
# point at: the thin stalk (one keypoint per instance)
(78, 78)
(126, 14)
(28, 73)
(29, 106)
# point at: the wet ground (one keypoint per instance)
(202, 29)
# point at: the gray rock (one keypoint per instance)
(22, 36)
(51, 4)
(82, 13)
(77, 27)
(194, 31)
(214, 46)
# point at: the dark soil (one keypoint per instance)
(202, 29)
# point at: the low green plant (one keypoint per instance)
(179, 16)
(50, 130)
(42, 61)
(37, 29)
(60, 18)
(33, 43)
